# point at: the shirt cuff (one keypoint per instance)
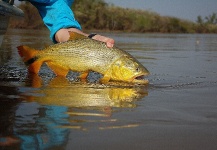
(56, 15)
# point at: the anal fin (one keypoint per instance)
(58, 69)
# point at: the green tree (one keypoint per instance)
(200, 20)
(211, 19)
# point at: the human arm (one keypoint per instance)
(59, 18)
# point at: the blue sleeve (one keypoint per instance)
(56, 15)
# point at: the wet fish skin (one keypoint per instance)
(82, 54)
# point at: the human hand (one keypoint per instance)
(63, 35)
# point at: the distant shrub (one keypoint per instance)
(97, 14)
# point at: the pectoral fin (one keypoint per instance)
(58, 69)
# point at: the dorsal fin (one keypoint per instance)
(75, 36)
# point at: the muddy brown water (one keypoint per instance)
(176, 111)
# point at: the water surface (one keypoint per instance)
(177, 110)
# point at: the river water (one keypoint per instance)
(176, 111)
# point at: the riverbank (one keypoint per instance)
(98, 15)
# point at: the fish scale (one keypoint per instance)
(83, 54)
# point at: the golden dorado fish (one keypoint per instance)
(82, 54)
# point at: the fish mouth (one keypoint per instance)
(140, 79)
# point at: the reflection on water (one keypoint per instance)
(48, 112)
(41, 116)
(61, 92)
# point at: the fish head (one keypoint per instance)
(128, 69)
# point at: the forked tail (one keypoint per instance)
(30, 58)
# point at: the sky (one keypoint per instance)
(183, 9)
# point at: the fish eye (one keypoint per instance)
(137, 69)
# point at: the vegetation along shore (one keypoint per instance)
(99, 15)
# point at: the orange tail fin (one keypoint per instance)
(30, 58)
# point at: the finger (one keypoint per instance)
(109, 42)
(109, 45)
